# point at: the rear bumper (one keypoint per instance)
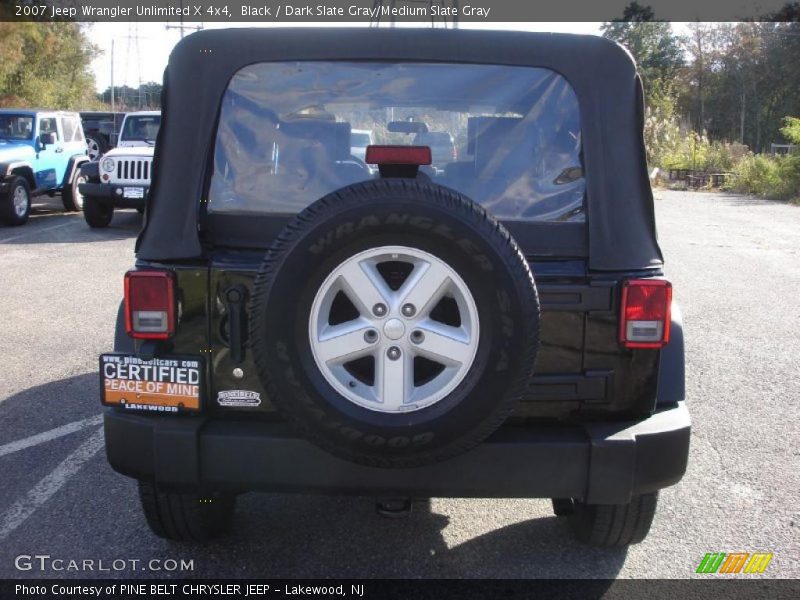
(114, 195)
(603, 463)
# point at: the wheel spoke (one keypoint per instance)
(394, 380)
(364, 286)
(393, 330)
(344, 342)
(20, 201)
(425, 286)
(444, 344)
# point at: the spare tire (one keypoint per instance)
(96, 145)
(395, 323)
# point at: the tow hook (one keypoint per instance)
(393, 508)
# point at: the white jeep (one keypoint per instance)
(121, 178)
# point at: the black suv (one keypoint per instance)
(102, 130)
(298, 321)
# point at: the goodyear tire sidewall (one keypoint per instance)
(297, 270)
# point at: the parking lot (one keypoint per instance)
(735, 266)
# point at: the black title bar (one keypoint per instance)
(563, 589)
(388, 11)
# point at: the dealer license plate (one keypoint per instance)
(133, 192)
(171, 385)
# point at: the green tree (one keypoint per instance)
(703, 48)
(752, 83)
(146, 97)
(46, 64)
(654, 46)
(791, 129)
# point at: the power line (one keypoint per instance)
(182, 26)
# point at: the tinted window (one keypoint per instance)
(16, 127)
(284, 134)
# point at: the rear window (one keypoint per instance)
(285, 138)
(440, 138)
(359, 139)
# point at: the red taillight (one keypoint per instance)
(150, 304)
(398, 155)
(645, 314)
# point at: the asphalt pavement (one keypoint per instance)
(735, 266)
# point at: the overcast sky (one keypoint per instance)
(155, 41)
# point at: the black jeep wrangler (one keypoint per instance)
(302, 320)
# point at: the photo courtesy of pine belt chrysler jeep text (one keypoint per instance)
(488, 317)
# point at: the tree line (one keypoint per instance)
(733, 82)
(716, 96)
(730, 81)
(146, 96)
(48, 65)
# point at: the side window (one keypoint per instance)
(68, 127)
(48, 125)
(73, 132)
(78, 129)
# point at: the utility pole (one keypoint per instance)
(138, 61)
(133, 96)
(181, 26)
(112, 75)
(741, 121)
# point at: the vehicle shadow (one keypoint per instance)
(43, 407)
(49, 225)
(279, 535)
(41, 207)
(273, 535)
(743, 200)
(725, 198)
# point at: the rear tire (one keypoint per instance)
(15, 206)
(96, 213)
(614, 525)
(186, 517)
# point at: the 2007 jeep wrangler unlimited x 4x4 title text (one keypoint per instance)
(498, 326)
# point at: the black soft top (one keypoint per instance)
(621, 224)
